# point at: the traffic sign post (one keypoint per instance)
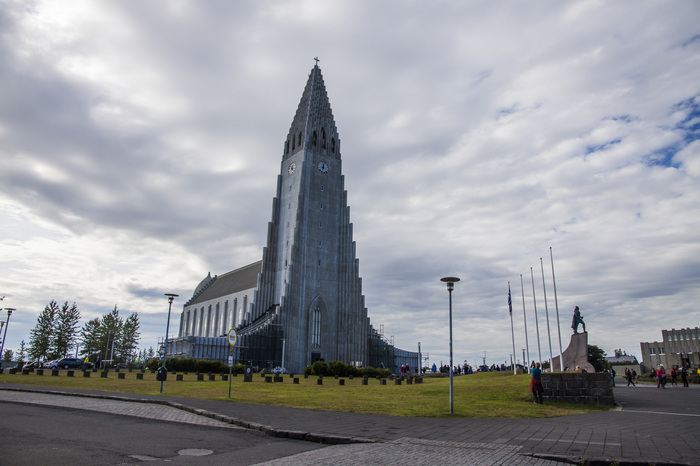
(232, 338)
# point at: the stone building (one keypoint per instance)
(303, 302)
(677, 347)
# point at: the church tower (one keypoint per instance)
(309, 285)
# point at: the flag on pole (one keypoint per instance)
(510, 304)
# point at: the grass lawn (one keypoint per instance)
(482, 395)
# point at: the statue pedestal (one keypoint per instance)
(575, 355)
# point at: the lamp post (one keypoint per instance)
(163, 370)
(4, 337)
(450, 286)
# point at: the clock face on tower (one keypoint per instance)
(292, 167)
(323, 167)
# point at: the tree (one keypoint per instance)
(40, 337)
(22, 351)
(596, 357)
(110, 337)
(66, 329)
(7, 357)
(129, 337)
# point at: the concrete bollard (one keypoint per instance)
(179, 377)
(121, 375)
(70, 373)
(200, 377)
(86, 374)
(139, 376)
(382, 382)
(341, 381)
(268, 379)
(319, 381)
(54, 372)
(365, 381)
(296, 380)
(104, 374)
(212, 377)
(397, 381)
(40, 372)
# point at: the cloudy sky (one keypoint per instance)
(140, 144)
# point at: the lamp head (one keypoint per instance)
(171, 296)
(450, 282)
(9, 311)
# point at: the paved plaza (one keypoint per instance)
(648, 426)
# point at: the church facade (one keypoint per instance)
(303, 301)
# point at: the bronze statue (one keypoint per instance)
(578, 319)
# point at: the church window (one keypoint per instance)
(333, 145)
(286, 147)
(315, 138)
(208, 329)
(224, 325)
(320, 243)
(319, 262)
(300, 139)
(316, 328)
(321, 205)
(201, 321)
(320, 224)
(323, 138)
(322, 188)
(285, 262)
(216, 319)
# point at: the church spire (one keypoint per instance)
(313, 122)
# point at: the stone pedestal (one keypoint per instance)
(575, 355)
(578, 387)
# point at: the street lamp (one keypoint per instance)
(7, 324)
(450, 286)
(163, 371)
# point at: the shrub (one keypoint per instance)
(344, 370)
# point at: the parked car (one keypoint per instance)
(70, 363)
(53, 364)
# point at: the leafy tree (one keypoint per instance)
(40, 337)
(596, 357)
(7, 357)
(66, 329)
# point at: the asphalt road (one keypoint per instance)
(31, 435)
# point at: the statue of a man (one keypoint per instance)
(578, 319)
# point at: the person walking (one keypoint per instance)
(628, 376)
(684, 376)
(661, 377)
(674, 377)
(536, 383)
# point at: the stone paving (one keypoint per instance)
(157, 412)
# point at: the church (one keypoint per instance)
(303, 301)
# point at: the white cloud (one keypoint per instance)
(141, 143)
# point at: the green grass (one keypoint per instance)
(483, 395)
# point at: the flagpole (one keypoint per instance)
(527, 346)
(556, 305)
(546, 313)
(512, 331)
(537, 325)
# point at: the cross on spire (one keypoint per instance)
(317, 60)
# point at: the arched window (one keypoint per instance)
(323, 138)
(299, 143)
(315, 138)
(333, 145)
(316, 327)
(293, 145)
(286, 147)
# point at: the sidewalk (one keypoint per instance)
(649, 426)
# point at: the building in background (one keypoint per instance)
(303, 302)
(676, 348)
